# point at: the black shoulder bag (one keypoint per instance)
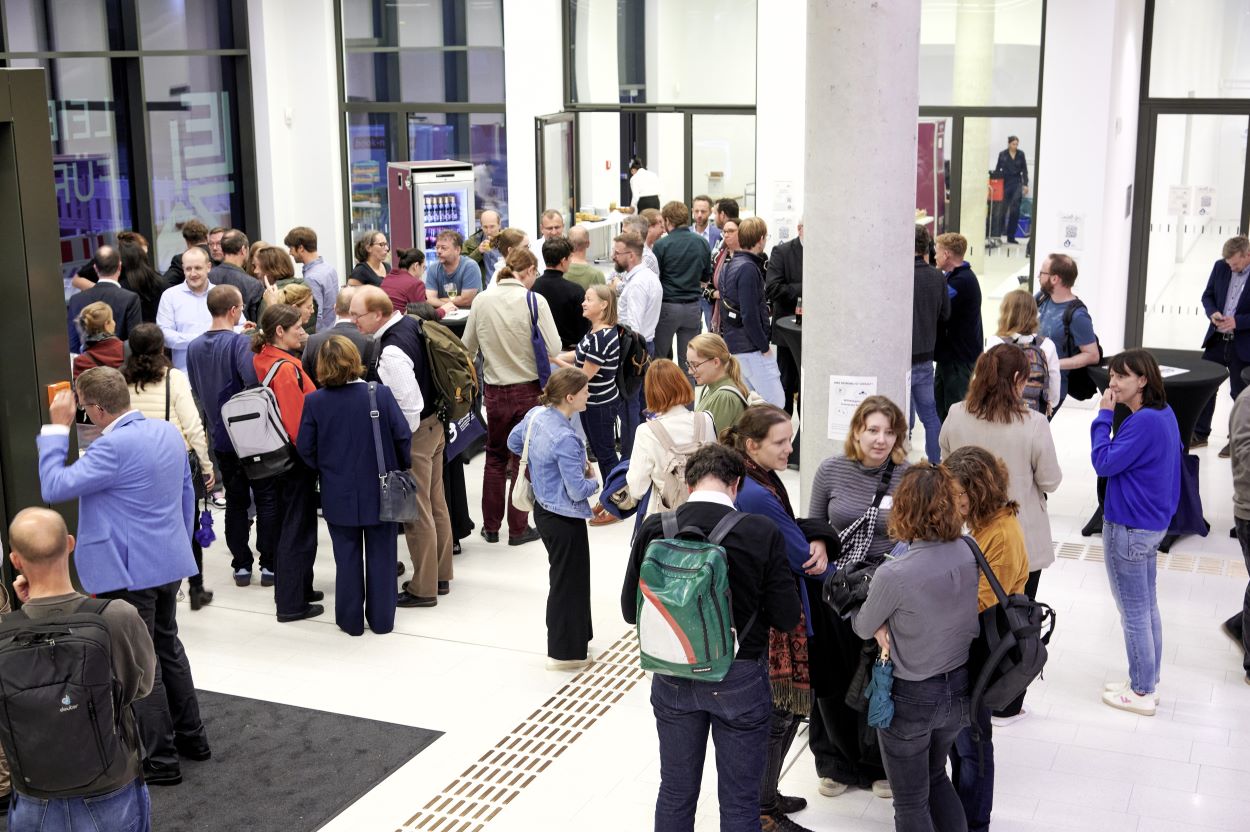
(397, 497)
(847, 586)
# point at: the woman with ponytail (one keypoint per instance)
(994, 416)
(762, 435)
(714, 369)
(563, 481)
(292, 496)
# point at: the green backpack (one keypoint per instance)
(685, 613)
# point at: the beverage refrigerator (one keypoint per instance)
(427, 198)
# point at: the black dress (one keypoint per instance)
(366, 275)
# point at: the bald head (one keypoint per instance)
(39, 537)
(491, 223)
(580, 238)
(370, 308)
(343, 303)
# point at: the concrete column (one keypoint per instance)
(859, 197)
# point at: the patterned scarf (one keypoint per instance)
(788, 669)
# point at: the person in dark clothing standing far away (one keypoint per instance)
(1238, 627)
(1142, 464)
(235, 249)
(1227, 342)
(685, 263)
(343, 325)
(127, 310)
(139, 277)
(931, 304)
(1014, 171)
(1054, 300)
(737, 709)
(783, 286)
(922, 610)
(403, 365)
(745, 324)
(117, 800)
(562, 480)
(195, 235)
(219, 364)
(959, 339)
(136, 506)
(563, 296)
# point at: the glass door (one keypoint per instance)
(722, 157)
(556, 147)
(1196, 202)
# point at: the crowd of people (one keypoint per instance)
(700, 428)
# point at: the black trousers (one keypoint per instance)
(267, 494)
(645, 202)
(1239, 624)
(297, 540)
(171, 710)
(1030, 589)
(569, 629)
(238, 524)
(950, 384)
(781, 732)
(789, 369)
(457, 498)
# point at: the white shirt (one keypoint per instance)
(641, 296)
(396, 370)
(643, 183)
(63, 430)
(183, 316)
(649, 452)
(1052, 360)
(710, 497)
(649, 259)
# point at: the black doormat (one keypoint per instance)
(278, 768)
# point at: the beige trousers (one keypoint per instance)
(429, 536)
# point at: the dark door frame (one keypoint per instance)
(540, 167)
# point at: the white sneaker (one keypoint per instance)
(1004, 721)
(1112, 687)
(881, 788)
(569, 664)
(1126, 700)
(830, 787)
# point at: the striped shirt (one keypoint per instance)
(842, 491)
(601, 347)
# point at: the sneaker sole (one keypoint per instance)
(832, 791)
(1120, 706)
(1112, 687)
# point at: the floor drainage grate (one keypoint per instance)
(495, 779)
(1171, 561)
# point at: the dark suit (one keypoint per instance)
(1015, 175)
(783, 285)
(1233, 352)
(345, 328)
(248, 286)
(336, 440)
(127, 310)
(174, 274)
(565, 299)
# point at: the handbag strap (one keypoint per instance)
(999, 592)
(375, 419)
(167, 395)
(884, 486)
(525, 448)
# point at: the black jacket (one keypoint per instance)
(249, 287)
(759, 573)
(565, 299)
(127, 312)
(348, 331)
(960, 338)
(174, 274)
(783, 282)
(931, 303)
(1015, 172)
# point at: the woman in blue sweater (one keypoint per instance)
(1142, 464)
(763, 434)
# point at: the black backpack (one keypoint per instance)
(634, 362)
(1081, 385)
(1010, 651)
(60, 724)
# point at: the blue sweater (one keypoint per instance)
(1142, 466)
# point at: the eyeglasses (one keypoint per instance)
(1047, 274)
(694, 365)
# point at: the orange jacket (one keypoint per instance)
(289, 386)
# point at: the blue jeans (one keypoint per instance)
(125, 810)
(972, 769)
(738, 709)
(762, 374)
(599, 422)
(1131, 556)
(924, 403)
(928, 715)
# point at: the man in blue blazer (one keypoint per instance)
(1227, 305)
(136, 507)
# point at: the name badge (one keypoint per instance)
(886, 502)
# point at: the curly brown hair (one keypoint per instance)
(924, 505)
(985, 481)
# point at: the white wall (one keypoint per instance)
(533, 84)
(1088, 146)
(781, 89)
(295, 97)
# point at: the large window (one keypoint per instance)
(145, 121)
(422, 81)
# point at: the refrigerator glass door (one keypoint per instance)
(441, 206)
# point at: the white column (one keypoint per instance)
(859, 204)
(973, 76)
(534, 86)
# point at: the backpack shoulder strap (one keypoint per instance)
(986, 570)
(725, 526)
(662, 434)
(94, 605)
(668, 524)
(273, 371)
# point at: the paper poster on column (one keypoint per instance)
(1072, 226)
(783, 196)
(1180, 198)
(845, 394)
(1205, 204)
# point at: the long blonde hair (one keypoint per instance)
(710, 346)
(1017, 315)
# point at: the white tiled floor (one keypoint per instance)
(473, 668)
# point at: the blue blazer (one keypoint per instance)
(336, 440)
(1213, 298)
(136, 503)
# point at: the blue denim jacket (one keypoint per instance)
(557, 462)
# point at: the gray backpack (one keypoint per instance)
(254, 424)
